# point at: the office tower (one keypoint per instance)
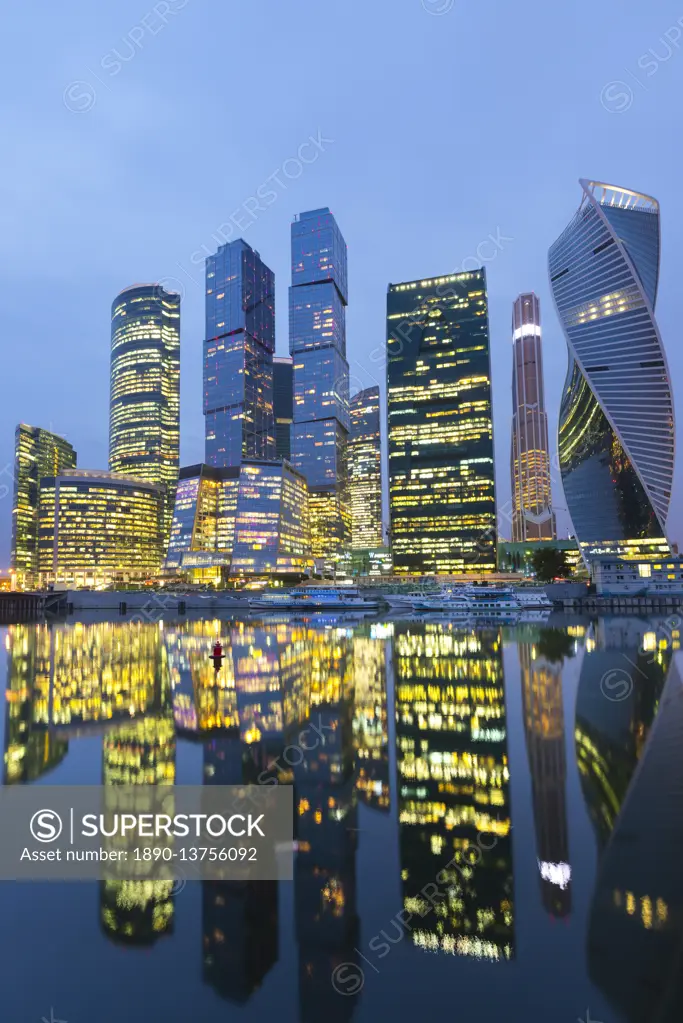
(454, 790)
(544, 729)
(317, 341)
(37, 453)
(238, 356)
(99, 528)
(616, 434)
(144, 410)
(365, 470)
(283, 404)
(532, 514)
(442, 498)
(242, 520)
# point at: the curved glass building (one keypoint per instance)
(144, 412)
(616, 431)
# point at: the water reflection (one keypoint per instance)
(313, 705)
(541, 657)
(632, 775)
(138, 911)
(454, 803)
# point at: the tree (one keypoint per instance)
(555, 645)
(550, 563)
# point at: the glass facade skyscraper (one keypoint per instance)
(365, 470)
(283, 403)
(144, 411)
(442, 497)
(238, 356)
(317, 341)
(616, 433)
(98, 527)
(37, 453)
(532, 514)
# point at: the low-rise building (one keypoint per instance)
(615, 577)
(240, 521)
(98, 529)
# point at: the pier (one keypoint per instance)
(30, 607)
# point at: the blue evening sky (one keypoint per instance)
(134, 130)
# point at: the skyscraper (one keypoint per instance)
(317, 341)
(442, 498)
(616, 436)
(283, 404)
(365, 470)
(532, 515)
(238, 356)
(37, 453)
(144, 411)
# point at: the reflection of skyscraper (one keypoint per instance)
(370, 725)
(37, 453)
(441, 481)
(544, 729)
(138, 911)
(238, 356)
(616, 434)
(29, 753)
(610, 734)
(635, 937)
(239, 918)
(320, 706)
(317, 341)
(533, 518)
(453, 778)
(144, 423)
(365, 470)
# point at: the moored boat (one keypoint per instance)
(314, 598)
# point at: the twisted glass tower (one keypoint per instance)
(616, 431)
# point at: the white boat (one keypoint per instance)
(453, 604)
(492, 600)
(533, 600)
(314, 598)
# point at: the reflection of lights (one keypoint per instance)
(382, 630)
(557, 873)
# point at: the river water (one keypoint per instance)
(488, 820)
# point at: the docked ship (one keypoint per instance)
(308, 599)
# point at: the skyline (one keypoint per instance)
(422, 214)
